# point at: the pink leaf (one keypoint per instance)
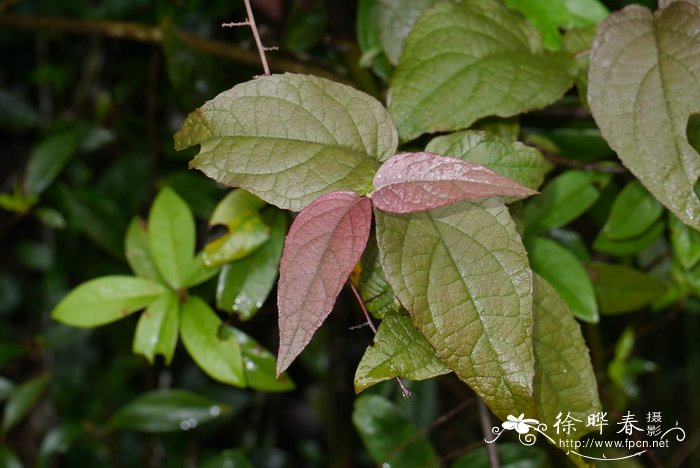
(323, 245)
(411, 182)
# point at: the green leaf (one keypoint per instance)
(6, 387)
(563, 270)
(290, 138)
(389, 436)
(21, 401)
(621, 289)
(399, 350)
(8, 459)
(305, 24)
(523, 164)
(462, 273)
(459, 64)
(171, 233)
(245, 230)
(564, 378)
(563, 199)
(510, 455)
(374, 289)
(199, 270)
(138, 250)
(200, 194)
(167, 411)
(58, 440)
(549, 15)
(228, 459)
(629, 246)
(368, 38)
(104, 300)
(220, 357)
(643, 109)
(259, 364)
(50, 157)
(156, 332)
(244, 285)
(396, 19)
(685, 242)
(633, 199)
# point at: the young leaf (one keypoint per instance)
(290, 138)
(562, 270)
(245, 230)
(483, 47)
(220, 357)
(399, 350)
(171, 234)
(633, 199)
(244, 285)
(104, 300)
(643, 86)
(512, 159)
(324, 243)
(138, 250)
(21, 401)
(411, 182)
(462, 273)
(396, 19)
(166, 411)
(621, 289)
(385, 430)
(564, 378)
(199, 270)
(156, 332)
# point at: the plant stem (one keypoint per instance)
(485, 419)
(256, 35)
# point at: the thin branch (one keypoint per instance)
(485, 419)
(256, 35)
(154, 35)
(404, 390)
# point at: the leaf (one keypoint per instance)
(228, 459)
(8, 459)
(685, 242)
(549, 15)
(246, 231)
(245, 284)
(259, 364)
(399, 350)
(512, 159)
(6, 388)
(219, 357)
(564, 378)
(563, 199)
(22, 399)
(156, 332)
(199, 271)
(290, 138)
(410, 182)
(58, 440)
(374, 289)
(563, 270)
(324, 243)
(621, 289)
(50, 157)
(396, 19)
(106, 299)
(643, 86)
(510, 455)
(171, 233)
(628, 246)
(389, 436)
(633, 199)
(460, 63)
(462, 273)
(138, 250)
(368, 38)
(167, 410)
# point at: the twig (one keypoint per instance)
(250, 21)
(485, 419)
(404, 391)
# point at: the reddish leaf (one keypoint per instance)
(323, 245)
(410, 182)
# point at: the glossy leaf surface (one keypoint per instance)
(320, 251)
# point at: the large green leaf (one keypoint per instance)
(463, 61)
(391, 439)
(138, 250)
(633, 199)
(462, 273)
(245, 230)
(166, 411)
(399, 350)
(621, 289)
(564, 271)
(564, 378)
(290, 138)
(374, 289)
(644, 83)
(21, 401)
(156, 332)
(396, 19)
(524, 164)
(171, 234)
(219, 356)
(104, 300)
(244, 285)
